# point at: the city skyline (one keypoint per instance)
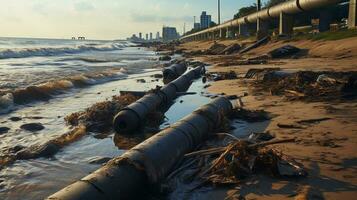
(108, 19)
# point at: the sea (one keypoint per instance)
(45, 80)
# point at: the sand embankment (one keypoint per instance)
(327, 148)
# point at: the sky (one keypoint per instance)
(104, 19)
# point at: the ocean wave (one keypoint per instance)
(47, 51)
(6, 103)
(46, 91)
(91, 60)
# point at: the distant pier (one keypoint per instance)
(79, 38)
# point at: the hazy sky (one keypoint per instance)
(103, 19)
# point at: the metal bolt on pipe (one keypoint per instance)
(149, 162)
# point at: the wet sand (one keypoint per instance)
(327, 148)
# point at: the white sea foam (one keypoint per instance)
(6, 103)
(49, 51)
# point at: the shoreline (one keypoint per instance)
(326, 148)
(325, 136)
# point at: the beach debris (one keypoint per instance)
(301, 124)
(233, 48)
(32, 127)
(325, 81)
(313, 121)
(289, 126)
(239, 159)
(250, 115)
(137, 94)
(141, 80)
(291, 93)
(266, 74)
(255, 45)
(99, 117)
(157, 76)
(218, 76)
(194, 53)
(15, 119)
(129, 141)
(284, 51)
(260, 57)
(306, 85)
(216, 49)
(260, 137)
(242, 62)
(4, 130)
(165, 58)
(179, 51)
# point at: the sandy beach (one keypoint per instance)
(327, 148)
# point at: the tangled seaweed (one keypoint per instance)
(307, 85)
(99, 117)
(241, 159)
(231, 163)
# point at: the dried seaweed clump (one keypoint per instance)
(309, 85)
(233, 162)
(99, 117)
(218, 76)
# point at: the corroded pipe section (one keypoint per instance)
(130, 118)
(174, 71)
(149, 162)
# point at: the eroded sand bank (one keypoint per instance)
(326, 148)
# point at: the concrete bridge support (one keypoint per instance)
(286, 24)
(262, 28)
(352, 16)
(228, 33)
(223, 33)
(234, 31)
(325, 20)
(217, 35)
(243, 30)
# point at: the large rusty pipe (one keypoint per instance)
(174, 71)
(131, 117)
(289, 7)
(149, 162)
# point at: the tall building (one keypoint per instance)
(169, 33)
(147, 36)
(150, 36)
(197, 26)
(158, 35)
(205, 20)
(140, 35)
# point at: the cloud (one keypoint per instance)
(155, 18)
(83, 6)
